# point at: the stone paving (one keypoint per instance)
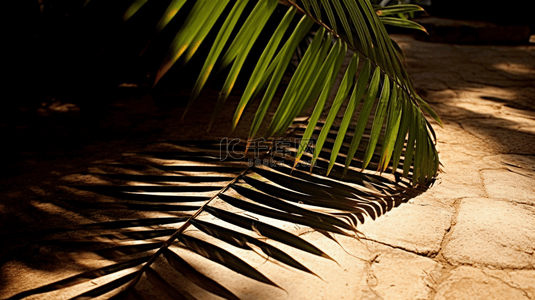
(471, 236)
(476, 226)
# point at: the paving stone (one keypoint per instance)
(503, 121)
(402, 227)
(478, 76)
(461, 174)
(472, 284)
(521, 164)
(500, 139)
(443, 190)
(460, 165)
(510, 184)
(430, 80)
(402, 275)
(492, 232)
(520, 279)
(456, 145)
(365, 270)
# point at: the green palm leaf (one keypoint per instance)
(354, 24)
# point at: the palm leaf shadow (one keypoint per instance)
(205, 201)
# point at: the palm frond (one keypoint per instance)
(346, 28)
(398, 9)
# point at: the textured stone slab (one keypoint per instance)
(508, 184)
(520, 279)
(365, 270)
(520, 164)
(468, 283)
(401, 275)
(402, 227)
(511, 177)
(492, 232)
(502, 138)
(458, 172)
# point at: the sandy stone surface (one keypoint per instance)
(522, 185)
(402, 228)
(494, 233)
(472, 283)
(414, 276)
(523, 280)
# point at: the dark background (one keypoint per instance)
(61, 51)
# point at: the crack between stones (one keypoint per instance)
(468, 131)
(520, 202)
(519, 154)
(445, 240)
(371, 279)
(430, 254)
(463, 118)
(480, 266)
(513, 201)
(481, 177)
(439, 258)
(507, 283)
(370, 275)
